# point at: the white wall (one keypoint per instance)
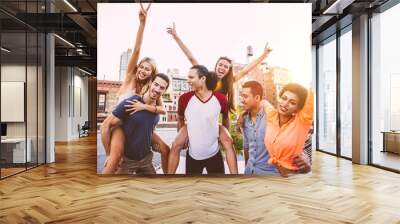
(80, 110)
(61, 103)
(12, 73)
(71, 102)
(33, 127)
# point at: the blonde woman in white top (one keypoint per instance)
(137, 81)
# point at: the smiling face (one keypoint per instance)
(144, 71)
(157, 88)
(194, 81)
(222, 68)
(248, 100)
(288, 103)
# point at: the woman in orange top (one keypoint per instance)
(288, 126)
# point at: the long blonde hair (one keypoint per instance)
(132, 81)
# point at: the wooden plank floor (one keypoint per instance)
(10, 171)
(69, 191)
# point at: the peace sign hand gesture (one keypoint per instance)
(143, 13)
(172, 30)
(267, 49)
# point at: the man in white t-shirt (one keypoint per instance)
(201, 108)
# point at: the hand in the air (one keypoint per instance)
(172, 30)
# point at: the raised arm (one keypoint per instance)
(136, 51)
(244, 71)
(109, 123)
(306, 115)
(186, 51)
(267, 106)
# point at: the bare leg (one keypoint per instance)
(116, 151)
(160, 146)
(227, 142)
(178, 144)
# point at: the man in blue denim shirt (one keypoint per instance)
(254, 125)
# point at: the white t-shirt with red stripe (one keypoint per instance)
(202, 122)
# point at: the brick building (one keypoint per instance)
(177, 88)
(271, 78)
(107, 97)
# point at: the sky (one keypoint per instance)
(209, 31)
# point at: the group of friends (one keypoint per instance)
(275, 138)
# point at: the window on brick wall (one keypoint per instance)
(101, 102)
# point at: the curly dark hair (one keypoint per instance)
(297, 89)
